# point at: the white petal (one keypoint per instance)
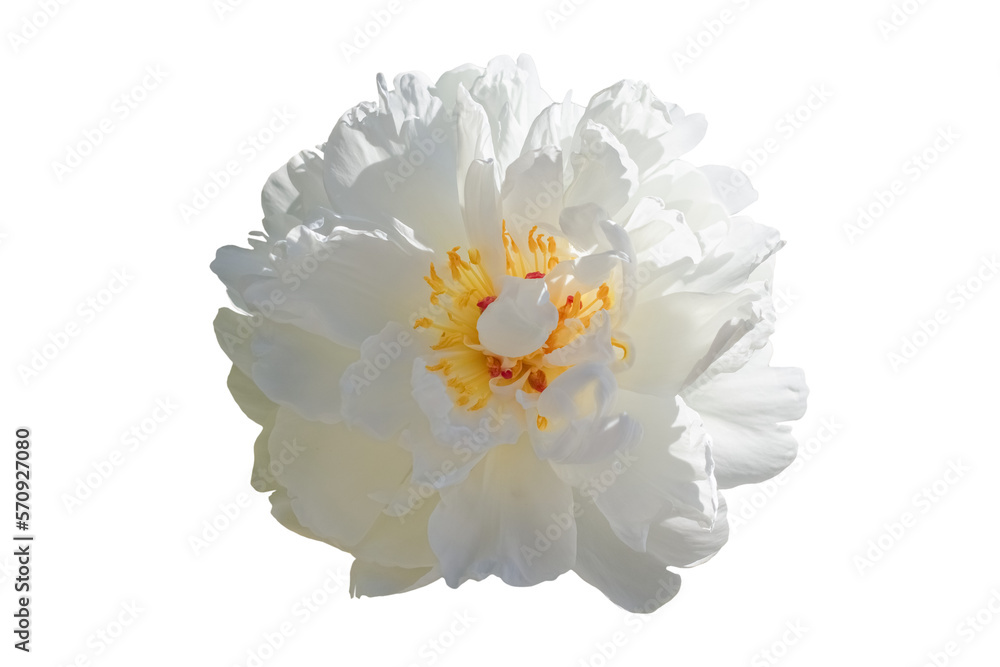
(731, 186)
(512, 96)
(603, 172)
(668, 473)
(744, 411)
(729, 264)
(454, 438)
(653, 132)
(293, 193)
(234, 333)
(533, 191)
(396, 160)
(520, 320)
(580, 426)
(299, 370)
(376, 388)
(490, 523)
(592, 345)
(482, 211)
(372, 580)
(330, 474)
(554, 126)
(399, 541)
(344, 286)
(678, 335)
(636, 582)
(447, 84)
(682, 542)
(474, 141)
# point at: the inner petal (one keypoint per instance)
(520, 320)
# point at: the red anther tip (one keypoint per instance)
(534, 274)
(485, 301)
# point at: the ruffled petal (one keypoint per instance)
(603, 172)
(331, 473)
(499, 521)
(344, 286)
(677, 336)
(636, 582)
(744, 412)
(395, 160)
(653, 132)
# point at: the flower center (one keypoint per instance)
(472, 372)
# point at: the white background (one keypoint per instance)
(892, 429)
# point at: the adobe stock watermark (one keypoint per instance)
(913, 169)
(780, 648)
(435, 648)
(956, 299)
(407, 165)
(922, 502)
(229, 512)
(101, 640)
(366, 33)
(559, 13)
(387, 354)
(294, 275)
(131, 440)
(303, 610)
(966, 632)
(562, 522)
(785, 128)
(221, 178)
(78, 151)
(608, 648)
(87, 311)
(899, 15)
(710, 31)
(32, 24)
(424, 487)
(223, 8)
(764, 493)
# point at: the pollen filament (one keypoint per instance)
(459, 299)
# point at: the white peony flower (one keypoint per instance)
(489, 334)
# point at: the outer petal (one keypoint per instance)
(603, 172)
(669, 473)
(374, 275)
(299, 370)
(396, 160)
(512, 96)
(653, 132)
(744, 412)
(636, 582)
(491, 523)
(682, 542)
(554, 126)
(330, 474)
(676, 336)
(372, 580)
(294, 193)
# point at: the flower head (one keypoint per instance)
(489, 334)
